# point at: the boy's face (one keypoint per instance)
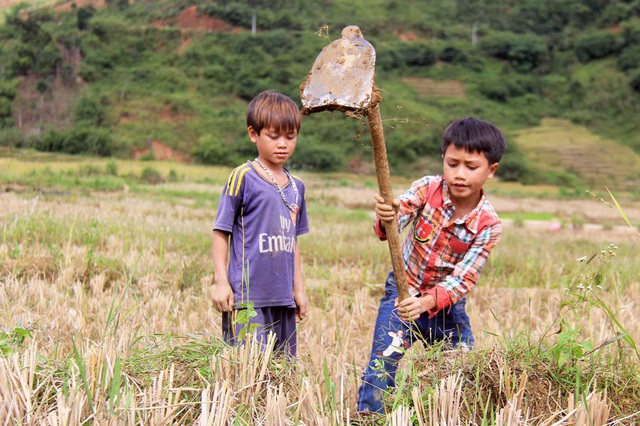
(466, 172)
(274, 148)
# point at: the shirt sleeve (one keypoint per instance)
(411, 204)
(466, 272)
(303, 222)
(230, 201)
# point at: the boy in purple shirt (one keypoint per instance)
(261, 213)
(452, 231)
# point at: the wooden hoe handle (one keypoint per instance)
(384, 185)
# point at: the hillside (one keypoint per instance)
(170, 80)
(559, 147)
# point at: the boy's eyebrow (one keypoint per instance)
(471, 160)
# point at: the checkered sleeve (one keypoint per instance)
(411, 202)
(467, 271)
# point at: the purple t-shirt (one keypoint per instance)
(263, 237)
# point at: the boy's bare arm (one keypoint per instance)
(222, 294)
(302, 304)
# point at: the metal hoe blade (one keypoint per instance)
(342, 77)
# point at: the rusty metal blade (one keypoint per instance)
(342, 77)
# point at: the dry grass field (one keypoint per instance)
(106, 316)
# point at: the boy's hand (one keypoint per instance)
(411, 308)
(302, 306)
(222, 297)
(385, 212)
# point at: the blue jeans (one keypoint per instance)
(392, 338)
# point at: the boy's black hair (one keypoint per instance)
(475, 135)
(274, 110)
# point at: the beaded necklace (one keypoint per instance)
(293, 207)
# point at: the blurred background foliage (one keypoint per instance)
(107, 81)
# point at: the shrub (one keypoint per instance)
(524, 52)
(399, 55)
(234, 13)
(12, 137)
(505, 86)
(269, 15)
(90, 111)
(151, 175)
(596, 45)
(634, 80)
(211, 150)
(629, 58)
(47, 60)
(84, 15)
(631, 31)
(149, 156)
(78, 140)
(111, 168)
(317, 157)
(566, 180)
(405, 150)
(19, 57)
(453, 54)
(90, 72)
(52, 141)
(89, 140)
(527, 52)
(614, 14)
(5, 107)
(514, 167)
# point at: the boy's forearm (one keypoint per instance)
(220, 255)
(298, 283)
(434, 300)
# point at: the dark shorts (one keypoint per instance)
(280, 321)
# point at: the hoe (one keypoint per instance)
(342, 79)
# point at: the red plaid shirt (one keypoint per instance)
(443, 258)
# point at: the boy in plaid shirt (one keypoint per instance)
(453, 229)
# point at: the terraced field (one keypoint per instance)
(431, 87)
(559, 146)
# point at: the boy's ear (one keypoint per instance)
(492, 170)
(253, 135)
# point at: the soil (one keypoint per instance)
(160, 152)
(189, 19)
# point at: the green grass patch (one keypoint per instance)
(528, 216)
